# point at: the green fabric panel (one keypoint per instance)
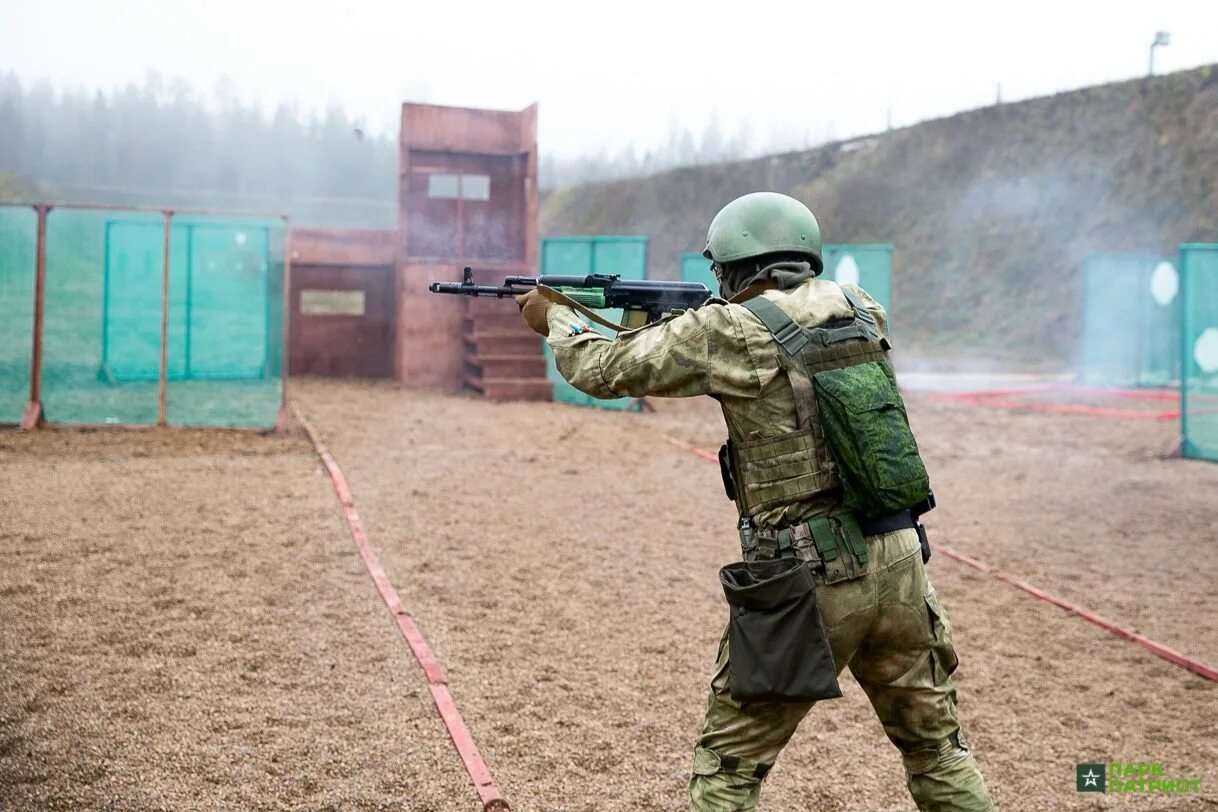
(102, 334)
(1199, 349)
(229, 330)
(696, 268)
(131, 341)
(82, 299)
(624, 256)
(871, 263)
(1131, 321)
(18, 234)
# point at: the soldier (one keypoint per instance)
(758, 354)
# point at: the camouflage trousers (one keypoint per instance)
(887, 626)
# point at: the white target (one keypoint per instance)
(240, 238)
(847, 271)
(1164, 283)
(1205, 351)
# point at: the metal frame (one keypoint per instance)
(33, 416)
(33, 407)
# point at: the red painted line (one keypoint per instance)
(1078, 389)
(963, 559)
(994, 393)
(697, 452)
(1153, 646)
(1136, 394)
(997, 402)
(1077, 408)
(437, 682)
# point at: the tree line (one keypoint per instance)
(166, 143)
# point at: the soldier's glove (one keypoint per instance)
(535, 309)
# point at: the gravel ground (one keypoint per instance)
(216, 643)
(563, 562)
(184, 625)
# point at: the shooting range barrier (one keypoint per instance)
(624, 256)
(1150, 324)
(1131, 321)
(1199, 351)
(868, 266)
(139, 317)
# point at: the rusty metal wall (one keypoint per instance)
(467, 196)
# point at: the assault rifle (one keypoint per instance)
(641, 301)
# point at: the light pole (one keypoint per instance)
(1161, 38)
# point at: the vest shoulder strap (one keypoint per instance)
(862, 316)
(808, 351)
(793, 338)
(786, 332)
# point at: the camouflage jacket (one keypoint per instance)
(721, 350)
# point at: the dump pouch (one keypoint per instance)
(778, 648)
(868, 433)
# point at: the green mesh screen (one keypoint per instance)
(102, 333)
(131, 298)
(696, 268)
(624, 256)
(1199, 347)
(868, 266)
(18, 232)
(1131, 321)
(76, 384)
(226, 322)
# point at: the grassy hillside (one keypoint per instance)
(990, 211)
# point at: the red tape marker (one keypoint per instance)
(437, 682)
(1153, 646)
(1008, 399)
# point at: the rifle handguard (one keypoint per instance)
(558, 297)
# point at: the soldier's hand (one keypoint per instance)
(535, 309)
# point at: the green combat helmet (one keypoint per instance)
(763, 223)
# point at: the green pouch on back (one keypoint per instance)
(868, 433)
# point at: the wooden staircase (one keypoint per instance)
(503, 357)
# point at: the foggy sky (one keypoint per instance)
(609, 74)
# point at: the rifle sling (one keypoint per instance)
(563, 299)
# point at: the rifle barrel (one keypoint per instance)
(463, 289)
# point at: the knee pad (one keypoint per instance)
(935, 755)
(708, 762)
